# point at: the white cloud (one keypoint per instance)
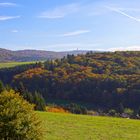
(8, 4)
(129, 48)
(60, 12)
(3, 18)
(75, 33)
(64, 45)
(124, 14)
(74, 46)
(14, 31)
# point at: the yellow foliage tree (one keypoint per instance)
(18, 121)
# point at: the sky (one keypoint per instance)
(62, 25)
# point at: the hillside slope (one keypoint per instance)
(78, 127)
(105, 80)
(33, 55)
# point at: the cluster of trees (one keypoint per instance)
(105, 80)
(34, 98)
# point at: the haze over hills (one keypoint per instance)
(34, 55)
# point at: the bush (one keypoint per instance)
(92, 113)
(112, 112)
(18, 121)
(56, 109)
(128, 113)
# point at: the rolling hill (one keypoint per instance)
(33, 55)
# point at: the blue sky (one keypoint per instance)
(61, 25)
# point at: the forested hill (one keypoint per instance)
(109, 80)
(33, 55)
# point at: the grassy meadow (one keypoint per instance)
(82, 127)
(12, 64)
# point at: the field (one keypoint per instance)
(80, 127)
(13, 64)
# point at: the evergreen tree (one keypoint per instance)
(1, 86)
(39, 101)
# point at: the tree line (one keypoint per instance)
(107, 80)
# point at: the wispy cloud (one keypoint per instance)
(129, 48)
(83, 9)
(3, 18)
(75, 33)
(123, 13)
(60, 12)
(129, 9)
(8, 4)
(14, 31)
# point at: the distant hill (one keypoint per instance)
(33, 55)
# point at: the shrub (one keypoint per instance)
(18, 121)
(138, 112)
(56, 109)
(128, 112)
(112, 112)
(92, 113)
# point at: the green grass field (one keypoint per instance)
(80, 127)
(12, 64)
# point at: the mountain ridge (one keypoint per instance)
(34, 55)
